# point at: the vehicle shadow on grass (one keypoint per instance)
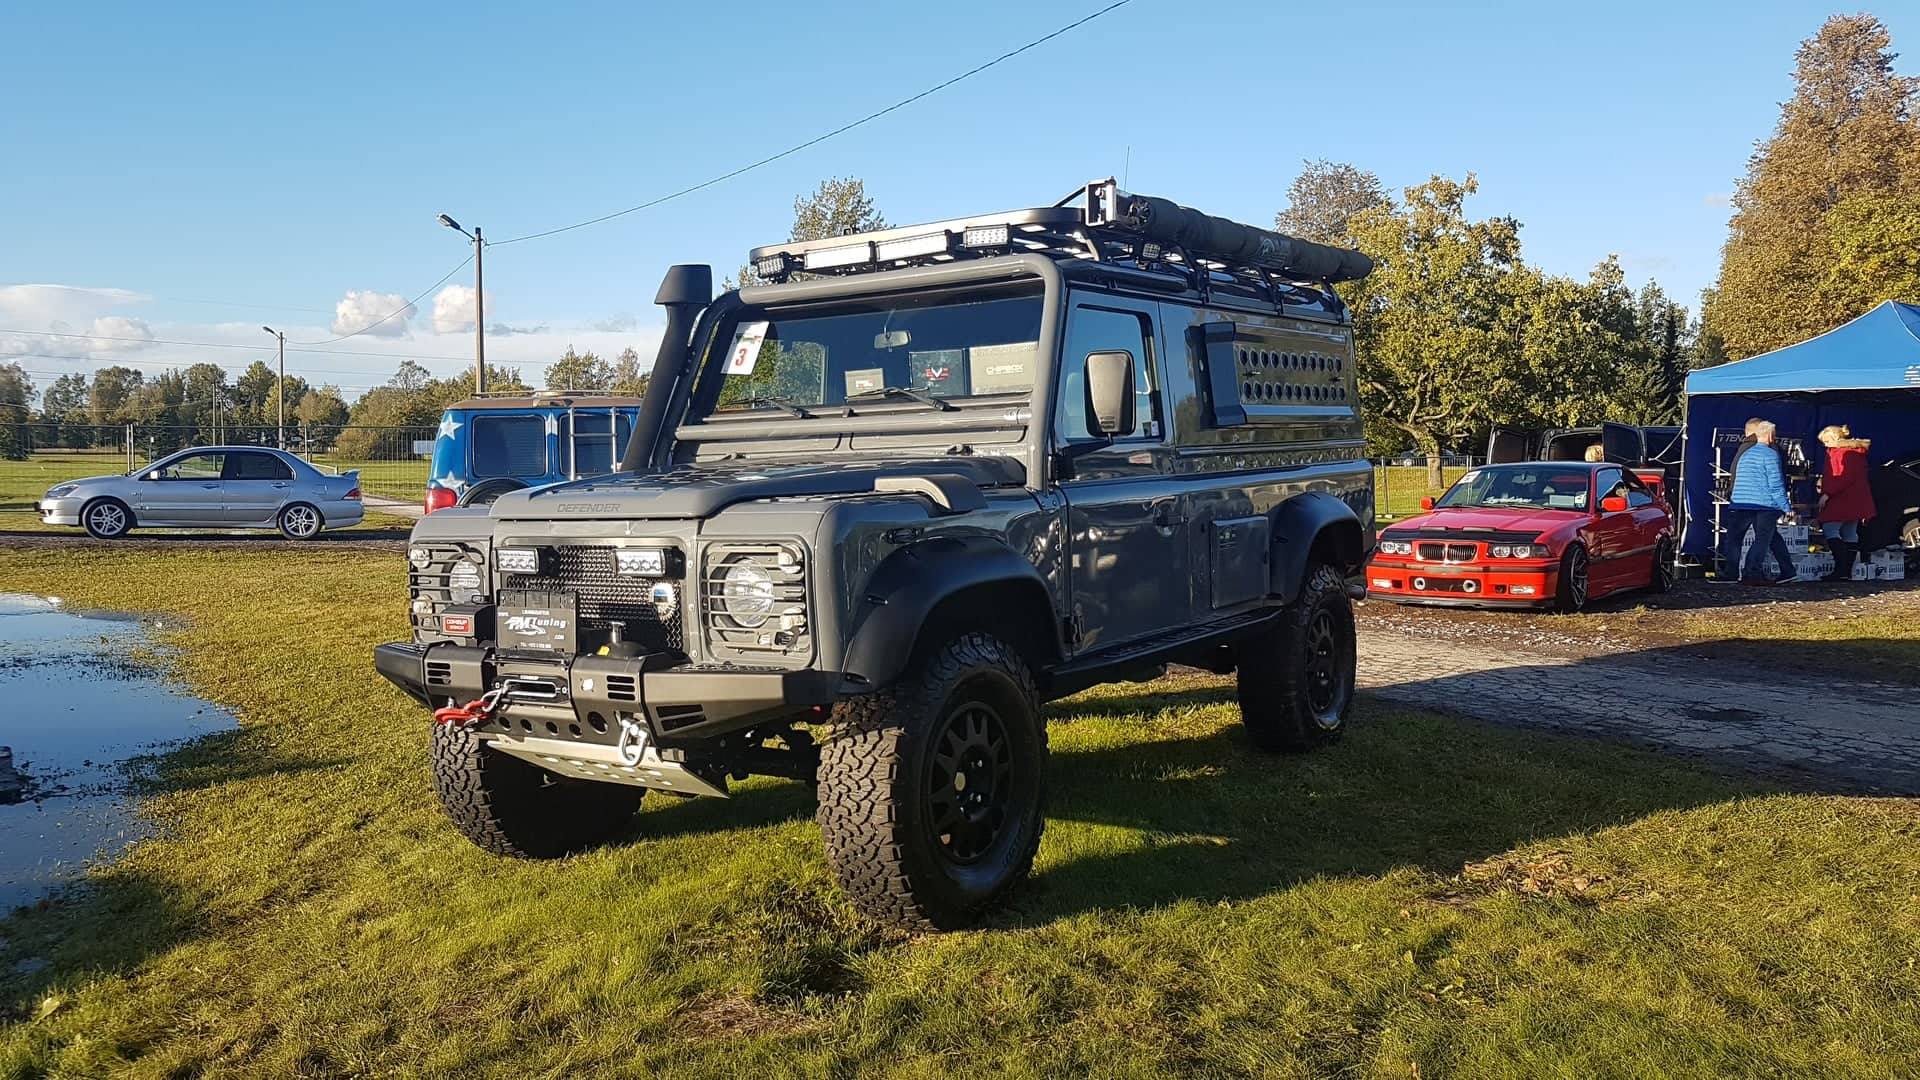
(1213, 819)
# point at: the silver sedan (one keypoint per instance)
(218, 487)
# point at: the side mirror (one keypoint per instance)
(152, 475)
(1110, 392)
(1613, 504)
(1426, 502)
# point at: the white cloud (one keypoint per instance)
(363, 311)
(70, 321)
(453, 309)
(36, 307)
(1718, 199)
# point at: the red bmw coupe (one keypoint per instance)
(1534, 534)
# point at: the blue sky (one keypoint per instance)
(188, 173)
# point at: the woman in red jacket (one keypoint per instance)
(1846, 500)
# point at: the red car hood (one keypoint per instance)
(1475, 519)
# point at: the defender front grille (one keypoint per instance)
(605, 597)
(734, 627)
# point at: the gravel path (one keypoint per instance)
(1852, 735)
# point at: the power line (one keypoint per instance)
(818, 139)
(408, 306)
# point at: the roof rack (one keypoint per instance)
(1110, 226)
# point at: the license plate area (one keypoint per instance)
(537, 623)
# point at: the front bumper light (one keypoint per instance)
(642, 562)
(62, 491)
(517, 560)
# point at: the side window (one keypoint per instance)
(1608, 483)
(1095, 329)
(256, 467)
(1637, 493)
(194, 467)
(509, 446)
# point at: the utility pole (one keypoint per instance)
(280, 388)
(479, 302)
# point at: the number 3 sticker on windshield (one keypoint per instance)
(745, 350)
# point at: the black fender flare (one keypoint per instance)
(491, 488)
(1308, 522)
(910, 586)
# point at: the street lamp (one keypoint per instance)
(479, 303)
(280, 388)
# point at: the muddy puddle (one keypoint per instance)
(79, 711)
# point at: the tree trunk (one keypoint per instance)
(1435, 479)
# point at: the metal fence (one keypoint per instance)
(393, 461)
(1398, 487)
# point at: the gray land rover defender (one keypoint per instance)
(878, 509)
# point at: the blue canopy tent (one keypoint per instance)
(1865, 374)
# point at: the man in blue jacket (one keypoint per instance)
(1758, 498)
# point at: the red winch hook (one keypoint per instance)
(473, 712)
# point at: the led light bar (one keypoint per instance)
(930, 244)
(985, 236)
(846, 255)
(774, 267)
(640, 562)
(517, 560)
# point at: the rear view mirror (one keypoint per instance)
(1613, 504)
(1110, 392)
(891, 339)
(1426, 502)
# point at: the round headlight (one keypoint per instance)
(1502, 551)
(747, 592)
(464, 578)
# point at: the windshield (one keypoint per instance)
(1544, 487)
(938, 346)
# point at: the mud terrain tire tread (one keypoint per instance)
(511, 807)
(867, 767)
(1271, 671)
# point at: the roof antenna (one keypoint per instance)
(1126, 167)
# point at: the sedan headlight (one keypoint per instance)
(748, 593)
(62, 491)
(1395, 547)
(1518, 551)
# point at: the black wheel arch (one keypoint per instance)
(1309, 529)
(927, 592)
(490, 489)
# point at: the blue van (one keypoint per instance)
(488, 446)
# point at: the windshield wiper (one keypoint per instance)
(920, 396)
(782, 404)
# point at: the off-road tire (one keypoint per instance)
(880, 792)
(1572, 585)
(99, 530)
(1662, 581)
(510, 806)
(1295, 678)
(300, 521)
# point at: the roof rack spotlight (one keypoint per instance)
(985, 236)
(934, 243)
(844, 255)
(775, 267)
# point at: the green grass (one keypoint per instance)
(1430, 897)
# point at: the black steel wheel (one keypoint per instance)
(1571, 593)
(932, 789)
(1295, 679)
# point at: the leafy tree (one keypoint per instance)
(322, 413)
(1875, 243)
(1668, 337)
(111, 394)
(410, 376)
(1432, 323)
(1325, 198)
(627, 378)
(16, 395)
(1796, 263)
(64, 405)
(579, 371)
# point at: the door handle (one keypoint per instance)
(209, 486)
(282, 484)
